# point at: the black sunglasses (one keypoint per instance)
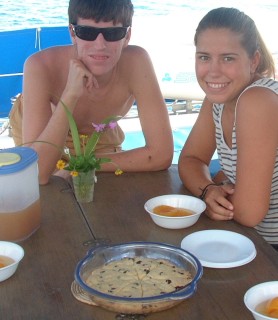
(91, 33)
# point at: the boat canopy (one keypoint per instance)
(15, 47)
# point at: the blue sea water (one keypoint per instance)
(32, 13)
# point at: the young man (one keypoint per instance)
(98, 76)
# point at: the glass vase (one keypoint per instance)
(83, 185)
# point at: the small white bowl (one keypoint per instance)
(258, 294)
(13, 251)
(178, 201)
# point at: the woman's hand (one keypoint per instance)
(217, 200)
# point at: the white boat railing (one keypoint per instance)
(11, 74)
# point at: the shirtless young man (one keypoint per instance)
(98, 76)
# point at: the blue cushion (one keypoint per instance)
(214, 167)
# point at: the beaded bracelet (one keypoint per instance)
(204, 191)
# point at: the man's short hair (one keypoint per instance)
(118, 11)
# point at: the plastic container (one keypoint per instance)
(20, 211)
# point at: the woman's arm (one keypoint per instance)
(194, 166)
(257, 141)
(197, 152)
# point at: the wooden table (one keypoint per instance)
(118, 214)
(40, 289)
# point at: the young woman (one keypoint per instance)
(98, 76)
(239, 117)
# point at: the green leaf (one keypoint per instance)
(104, 160)
(92, 142)
(74, 131)
(42, 141)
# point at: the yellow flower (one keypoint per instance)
(118, 172)
(74, 173)
(60, 164)
(83, 141)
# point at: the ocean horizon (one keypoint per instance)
(37, 13)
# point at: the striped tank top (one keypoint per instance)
(268, 228)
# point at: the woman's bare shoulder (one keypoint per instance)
(261, 99)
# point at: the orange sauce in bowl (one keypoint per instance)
(169, 211)
(269, 308)
(5, 261)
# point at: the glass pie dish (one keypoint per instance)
(97, 257)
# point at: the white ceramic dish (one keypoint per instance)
(258, 294)
(15, 252)
(220, 248)
(178, 201)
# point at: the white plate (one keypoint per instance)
(220, 248)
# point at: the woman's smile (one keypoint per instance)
(214, 85)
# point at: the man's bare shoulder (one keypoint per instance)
(135, 51)
(135, 58)
(50, 56)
